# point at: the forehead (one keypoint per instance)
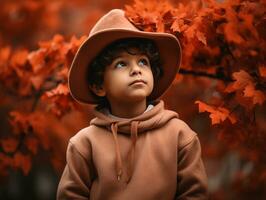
(128, 51)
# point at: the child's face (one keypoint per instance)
(119, 84)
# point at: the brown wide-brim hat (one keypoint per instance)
(109, 28)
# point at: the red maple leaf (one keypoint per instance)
(217, 114)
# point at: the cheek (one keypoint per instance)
(113, 82)
(152, 83)
(150, 75)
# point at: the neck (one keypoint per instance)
(128, 110)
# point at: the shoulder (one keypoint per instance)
(81, 140)
(81, 135)
(185, 134)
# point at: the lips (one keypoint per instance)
(138, 81)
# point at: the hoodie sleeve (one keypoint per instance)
(76, 178)
(191, 175)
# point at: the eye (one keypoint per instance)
(143, 62)
(120, 64)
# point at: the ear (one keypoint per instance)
(98, 90)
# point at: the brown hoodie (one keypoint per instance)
(154, 156)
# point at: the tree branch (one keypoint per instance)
(204, 74)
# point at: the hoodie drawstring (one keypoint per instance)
(119, 169)
(134, 136)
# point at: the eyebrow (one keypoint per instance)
(120, 55)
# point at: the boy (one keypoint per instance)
(133, 149)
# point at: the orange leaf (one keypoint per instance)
(256, 95)
(19, 58)
(5, 159)
(175, 26)
(22, 161)
(242, 79)
(217, 114)
(201, 37)
(231, 27)
(32, 145)
(19, 122)
(75, 43)
(248, 21)
(37, 59)
(39, 122)
(37, 81)
(190, 32)
(160, 25)
(244, 83)
(4, 54)
(9, 145)
(61, 89)
(262, 70)
(231, 33)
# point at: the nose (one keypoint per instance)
(135, 69)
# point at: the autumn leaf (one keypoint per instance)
(217, 114)
(245, 84)
(19, 58)
(231, 27)
(35, 75)
(23, 162)
(61, 89)
(38, 122)
(231, 33)
(242, 79)
(32, 144)
(5, 53)
(248, 23)
(262, 70)
(191, 32)
(9, 145)
(19, 122)
(194, 32)
(201, 37)
(37, 81)
(257, 96)
(175, 26)
(75, 42)
(5, 160)
(26, 123)
(37, 59)
(160, 25)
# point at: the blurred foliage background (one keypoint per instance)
(223, 74)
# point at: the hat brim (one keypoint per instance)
(169, 49)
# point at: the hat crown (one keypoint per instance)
(115, 19)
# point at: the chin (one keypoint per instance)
(138, 98)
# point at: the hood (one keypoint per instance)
(152, 119)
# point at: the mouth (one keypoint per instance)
(138, 81)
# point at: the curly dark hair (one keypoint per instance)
(108, 54)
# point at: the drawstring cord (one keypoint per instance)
(134, 135)
(119, 169)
